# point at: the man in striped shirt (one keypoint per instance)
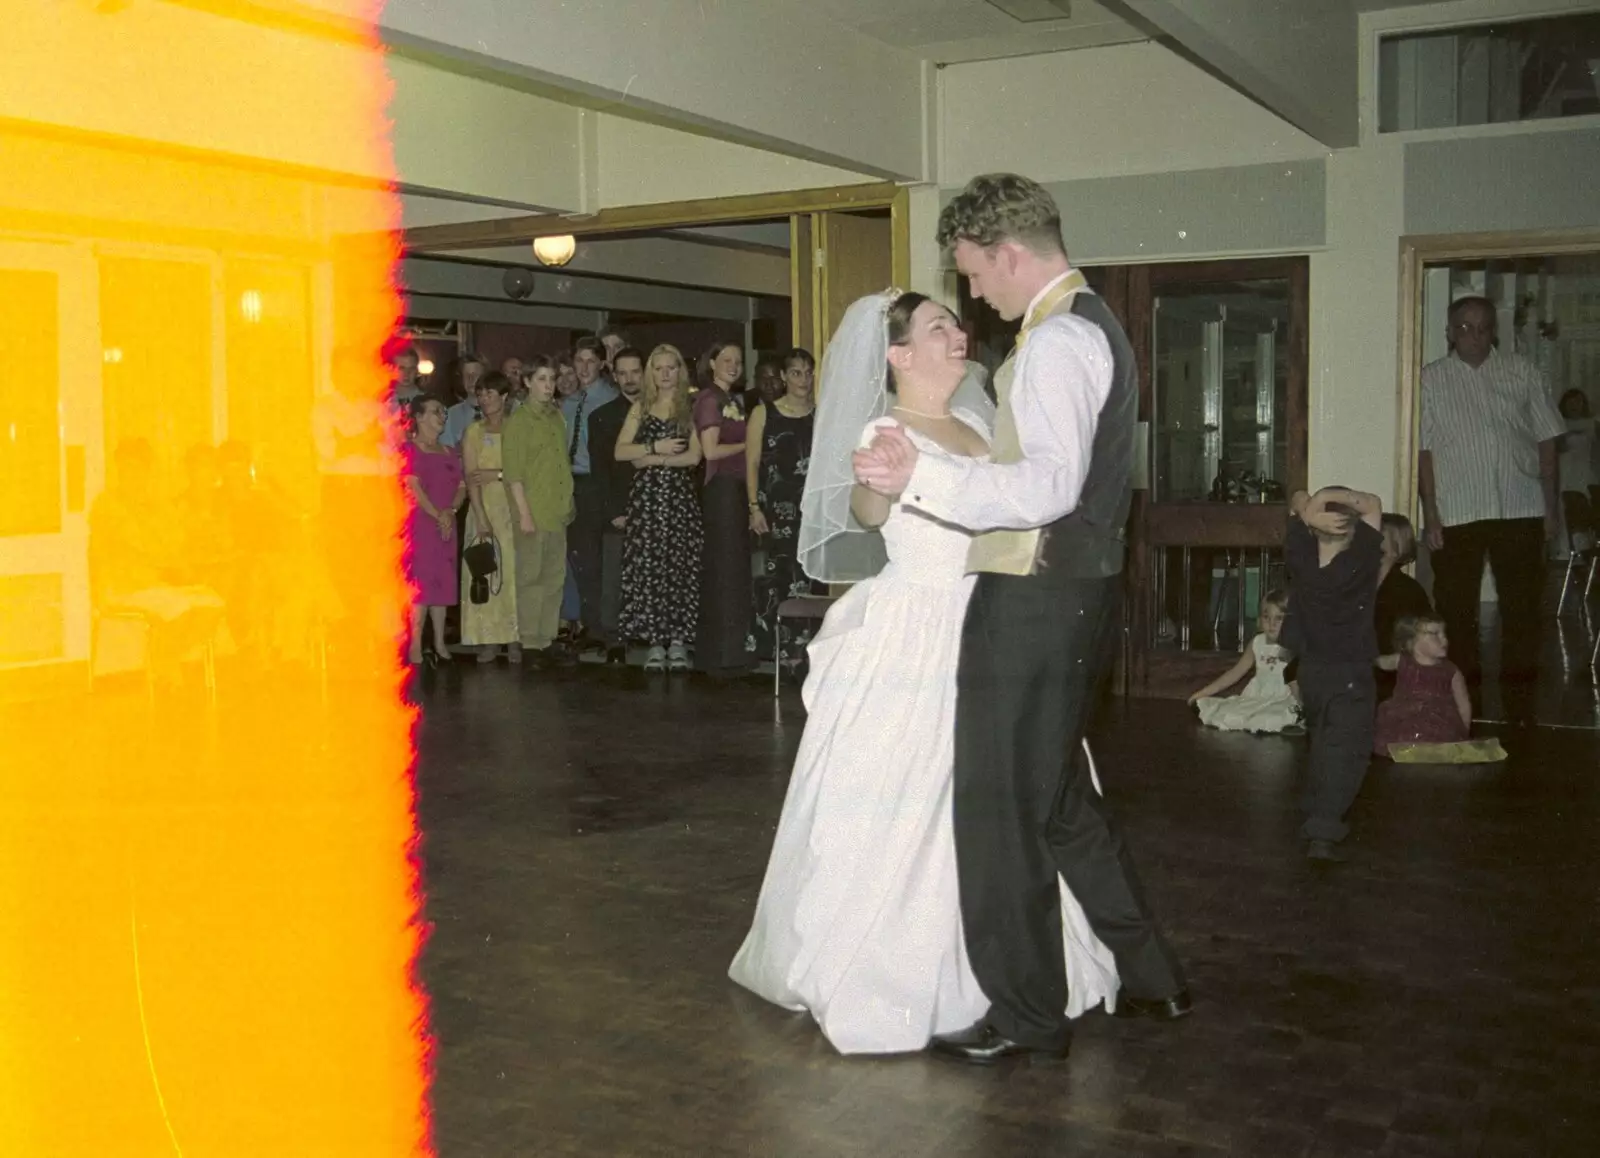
(1487, 475)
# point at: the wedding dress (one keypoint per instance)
(859, 918)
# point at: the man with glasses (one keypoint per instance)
(1487, 477)
(464, 410)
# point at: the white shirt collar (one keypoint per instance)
(1494, 352)
(1039, 297)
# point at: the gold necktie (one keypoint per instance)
(1057, 293)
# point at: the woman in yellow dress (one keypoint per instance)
(492, 625)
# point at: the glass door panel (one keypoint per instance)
(46, 329)
(1220, 374)
(155, 320)
(270, 376)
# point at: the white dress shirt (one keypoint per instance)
(456, 420)
(1483, 428)
(1060, 381)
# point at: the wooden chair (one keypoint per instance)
(149, 626)
(812, 607)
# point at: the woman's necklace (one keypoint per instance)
(922, 413)
(792, 409)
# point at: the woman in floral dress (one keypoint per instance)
(779, 441)
(662, 543)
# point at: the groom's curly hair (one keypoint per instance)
(1003, 207)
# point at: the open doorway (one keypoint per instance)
(799, 257)
(769, 276)
(1539, 298)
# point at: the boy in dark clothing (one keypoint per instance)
(1334, 550)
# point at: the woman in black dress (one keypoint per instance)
(661, 545)
(719, 418)
(778, 452)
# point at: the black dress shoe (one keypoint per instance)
(1161, 1008)
(984, 1045)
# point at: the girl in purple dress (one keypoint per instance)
(437, 488)
(1430, 704)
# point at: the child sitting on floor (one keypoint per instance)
(1267, 703)
(1430, 704)
(1398, 593)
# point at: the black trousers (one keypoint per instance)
(1341, 703)
(611, 586)
(1515, 550)
(585, 546)
(1025, 809)
(725, 599)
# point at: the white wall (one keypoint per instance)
(764, 72)
(1102, 112)
(644, 164)
(223, 85)
(459, 134)
(1141, 109)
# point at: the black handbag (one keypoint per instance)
(483, 563)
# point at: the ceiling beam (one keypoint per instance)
(633, 218)
(479, 281)
(1296, 57)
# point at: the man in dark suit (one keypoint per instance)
(627, 372)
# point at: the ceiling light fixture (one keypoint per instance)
(555, 251)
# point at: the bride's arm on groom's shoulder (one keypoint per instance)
(1063, 381)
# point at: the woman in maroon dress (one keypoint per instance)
(437, 488)
(725, 595)
(1430, 704)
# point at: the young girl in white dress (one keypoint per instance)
(859, 918)
(1268, 703)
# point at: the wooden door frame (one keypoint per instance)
(1417, 251)
(1223, 523)
(796, 205)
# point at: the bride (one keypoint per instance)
(859, 919)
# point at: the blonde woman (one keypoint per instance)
(663, 538)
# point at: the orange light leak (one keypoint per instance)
(209, 903)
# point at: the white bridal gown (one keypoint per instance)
(859, 919)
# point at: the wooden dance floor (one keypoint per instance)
(594, 845)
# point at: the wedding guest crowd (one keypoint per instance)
(604, 499)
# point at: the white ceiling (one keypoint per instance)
(950, 31)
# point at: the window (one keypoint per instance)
(1490, 74)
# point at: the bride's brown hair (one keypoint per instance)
(897, 319)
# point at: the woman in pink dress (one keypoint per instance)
(437, 487)
(1430, 704)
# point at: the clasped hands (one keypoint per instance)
(885, 467)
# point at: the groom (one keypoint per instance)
(1040, 629)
